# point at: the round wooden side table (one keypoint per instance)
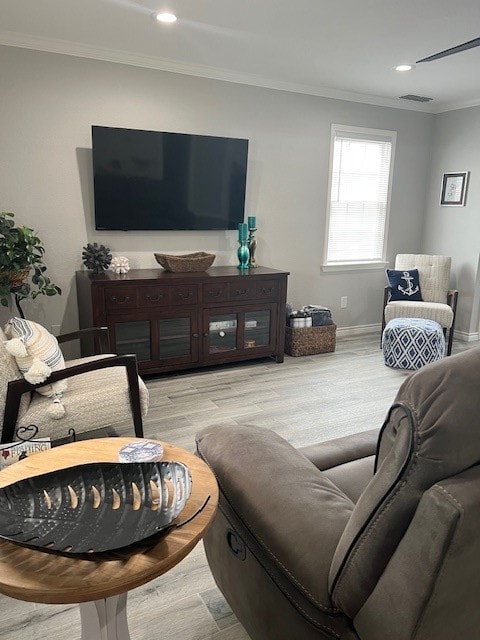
(100, 585)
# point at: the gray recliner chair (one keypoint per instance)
(370, 537)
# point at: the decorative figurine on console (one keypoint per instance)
(252, 242)
(120, 264)
(96, 257)
(242, 252)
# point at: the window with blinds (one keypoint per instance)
(360, 184)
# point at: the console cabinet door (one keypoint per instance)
(158, 339)
(241, 333)
(221, 333)
(177, 338)
(129, 334)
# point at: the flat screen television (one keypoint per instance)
(147, 180)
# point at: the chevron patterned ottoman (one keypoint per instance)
(411, 343)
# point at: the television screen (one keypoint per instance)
(153, 180)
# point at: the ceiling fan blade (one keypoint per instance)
(448, 52)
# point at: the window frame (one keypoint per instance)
(372, 134)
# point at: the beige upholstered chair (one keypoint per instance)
(368, 537)
(439, 302)
(103, 390)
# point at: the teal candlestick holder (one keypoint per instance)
(243, 254)
(252, 245)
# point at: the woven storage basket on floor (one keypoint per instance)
(310, 340)
(199, 261)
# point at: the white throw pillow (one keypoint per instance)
(37, 354)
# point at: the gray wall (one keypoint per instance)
(455, 231)
(50, 101)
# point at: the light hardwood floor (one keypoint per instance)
(305, 400)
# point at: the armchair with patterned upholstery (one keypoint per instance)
(439, 302)
(103, 390)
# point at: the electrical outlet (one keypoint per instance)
(343, 302)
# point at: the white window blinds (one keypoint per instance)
(359, 195)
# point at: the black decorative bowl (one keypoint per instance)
(93, 508)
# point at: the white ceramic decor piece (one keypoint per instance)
(120, 264)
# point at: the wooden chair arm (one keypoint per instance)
(12, 407)
(386, 297)
(99, 335)
(452, 297)
(16, 388)
(386, 294)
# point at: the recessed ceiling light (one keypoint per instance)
(404, 67)
(166, 17)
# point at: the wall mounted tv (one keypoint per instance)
(152, 180)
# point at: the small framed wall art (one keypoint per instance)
(454, 189)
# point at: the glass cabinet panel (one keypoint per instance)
(257, 329)
(174, 337)
(133, 337)
(222, 333)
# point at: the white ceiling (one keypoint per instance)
(336, 48)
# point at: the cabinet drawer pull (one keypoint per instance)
(241, 292)
(266, 292)
(185, 296)
(215, 294)
(206, 334)
(120, 300)
(154, 298)
(195, 335)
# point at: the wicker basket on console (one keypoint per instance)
(309, 341)
(199, 261)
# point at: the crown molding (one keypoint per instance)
(24, 41)
(455, 106)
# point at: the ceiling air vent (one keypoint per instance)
(414, 98)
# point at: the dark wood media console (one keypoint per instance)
(184, 320)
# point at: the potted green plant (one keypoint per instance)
(22, 271)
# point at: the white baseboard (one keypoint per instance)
(362, 329)
(463, 336)
(347, 332)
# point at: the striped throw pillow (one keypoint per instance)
(36, 353)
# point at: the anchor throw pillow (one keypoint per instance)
(404, 285)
